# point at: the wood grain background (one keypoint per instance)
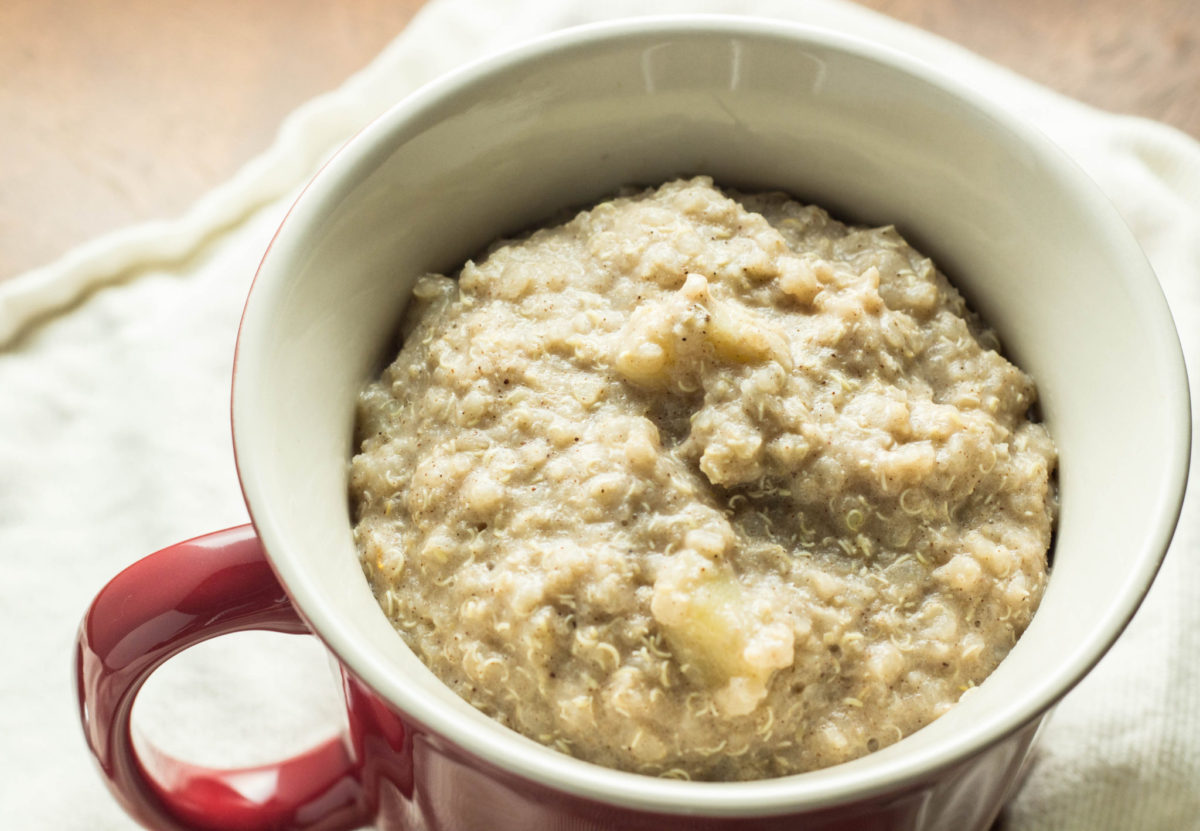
(118, 111)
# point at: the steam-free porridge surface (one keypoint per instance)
(704, 485)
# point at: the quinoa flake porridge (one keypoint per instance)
(705, 485)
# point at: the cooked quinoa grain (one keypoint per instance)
(704, 485)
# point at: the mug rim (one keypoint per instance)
(743, 798)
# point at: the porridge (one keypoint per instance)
(705, 485)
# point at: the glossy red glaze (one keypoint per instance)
(389, 772)
(156, 608)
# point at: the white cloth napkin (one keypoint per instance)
(114, 441)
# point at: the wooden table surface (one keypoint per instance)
(118, 111)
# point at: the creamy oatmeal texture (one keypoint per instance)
(703, 486)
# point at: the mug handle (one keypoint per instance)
(158, 607)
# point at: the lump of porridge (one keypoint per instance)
(704, 485)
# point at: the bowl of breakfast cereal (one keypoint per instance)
(693, 422)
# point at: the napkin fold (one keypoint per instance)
(114, 441)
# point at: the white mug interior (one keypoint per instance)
(878, 138)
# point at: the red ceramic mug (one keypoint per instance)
(560, 122)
